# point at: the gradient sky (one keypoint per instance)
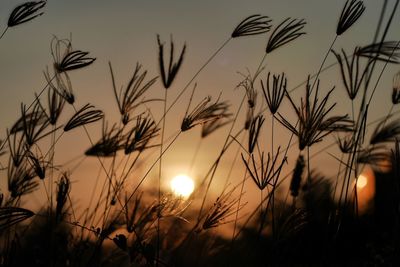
(124, 32)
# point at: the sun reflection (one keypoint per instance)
(182, 185)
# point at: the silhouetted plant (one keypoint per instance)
(287, 31)
(25, 12)
(386, 132)
(140, 135)
(168, 75)
(314, 123)
(109, 143)
(295, 182)
(202, 113)
(62, 195)
(221, 210)
(254, 132)
(12, 215)
(388, 51)
(252, 25)
(269, 171)
(352, 76)
(396, 89)
(352, 11)
(130, 98)
(275, 91)
(87, 114)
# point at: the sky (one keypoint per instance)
(124, 32)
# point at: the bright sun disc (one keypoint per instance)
(182, 185)
(362, 181)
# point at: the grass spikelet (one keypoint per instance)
(34, 124)
(87, 114)
(268, 171)
(295, 183)
(221, 210)
(55, 104)
(351, 76)
(385, 132)
(314, 123)
(109, 143)
(254, 131)
(130, 98)
(346, 144)
(396, 89)
(388, 51)
(275, 92)
(351, 12)
(140, 135)
(20, 180)
(38, 165)
(211, 126)
(25, 12)
(252, 25)
(62, 195)
(202, 113)
(74, 60)
(17, 148)
(375, 156)
(287, 31)
(173, 67)
(13, 215)
(62, 86)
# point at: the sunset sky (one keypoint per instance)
(124, 32)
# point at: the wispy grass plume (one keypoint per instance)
(87, 114)
(351, 12)
(287, 31)
(168, 76)
(131, 97)
(252, 25)
(13, 215)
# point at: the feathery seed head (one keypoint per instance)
(269, 171)
(202, 113)
(296, 177)
(87, 114)
(287, 31)
(254, 131)
(350, 71)
(169, 75)
(252, 25)
(275, 92)
(351, 12)
(25, 12)
(396, 89)
(314, 123)
(388, 51)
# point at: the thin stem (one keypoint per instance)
(323, 62)
(159, 174)
(239, 200)
(220, 156)
(4, 32)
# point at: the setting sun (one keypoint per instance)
(361, 181)
(182, 185)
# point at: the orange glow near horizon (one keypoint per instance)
(365, 190)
